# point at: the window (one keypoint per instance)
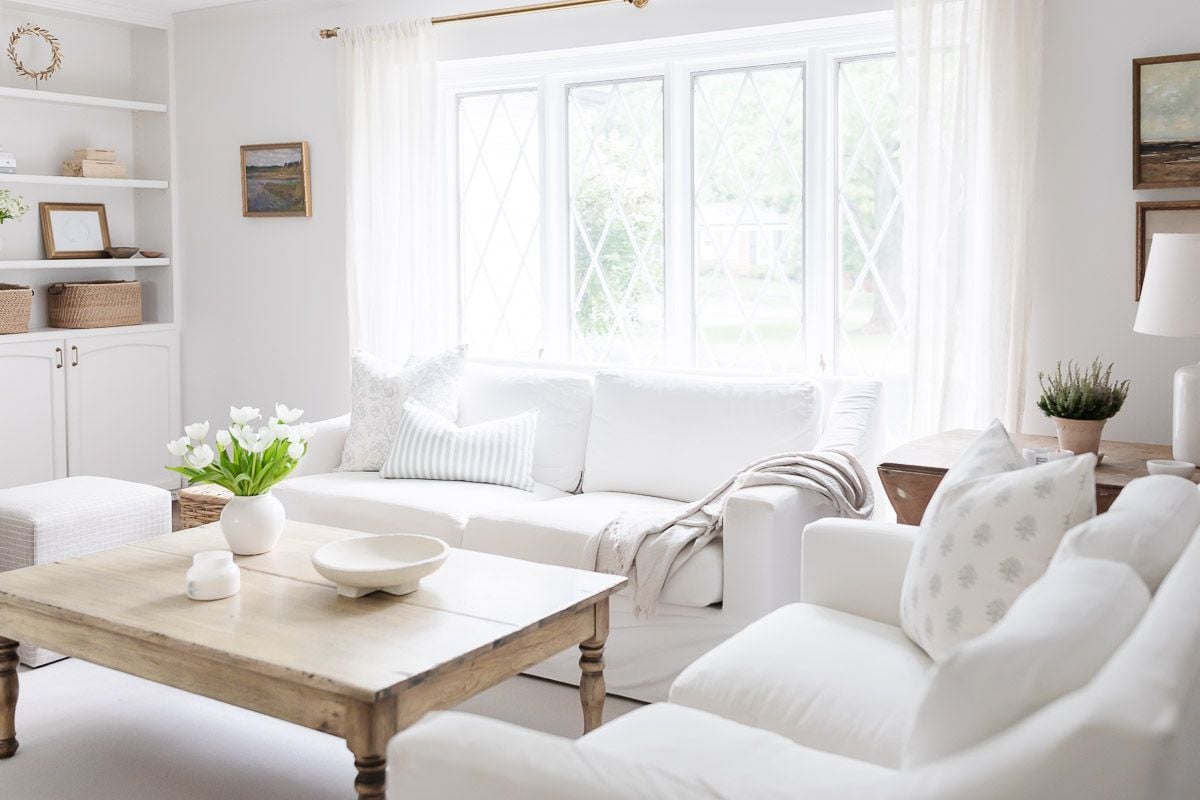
(732, 205)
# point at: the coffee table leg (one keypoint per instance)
(8, 698)
(591, 665)
(371, 782)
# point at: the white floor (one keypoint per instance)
(88, 733)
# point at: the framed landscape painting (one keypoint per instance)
(275, 180)
(1166, 121)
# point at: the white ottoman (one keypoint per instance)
(46, 522)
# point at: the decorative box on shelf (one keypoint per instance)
(8, 163)
(88, 168)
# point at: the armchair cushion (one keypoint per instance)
(822, 678)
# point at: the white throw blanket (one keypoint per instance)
(649, 550)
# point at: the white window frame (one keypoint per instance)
(818, 45)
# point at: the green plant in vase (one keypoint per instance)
(1080, 401)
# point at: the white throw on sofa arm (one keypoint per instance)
(856, 566)
(325, 448)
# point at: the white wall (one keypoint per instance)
(265, 299)
(1083, 216)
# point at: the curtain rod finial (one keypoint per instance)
(638, 3)
(329, 33)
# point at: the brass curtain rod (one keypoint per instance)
(556, 5)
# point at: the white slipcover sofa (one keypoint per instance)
(618, 442)
(814, 702)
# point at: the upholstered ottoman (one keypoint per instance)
(46, 522)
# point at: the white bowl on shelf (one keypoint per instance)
(1164, 466)
(393, 563)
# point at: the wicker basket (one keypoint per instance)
(15, 303)
(96, 304)
(202, 504)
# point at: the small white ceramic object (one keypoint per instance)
(1040, 455)
(394, 563)
(252, 525)
(1162, 466)
(213, 576)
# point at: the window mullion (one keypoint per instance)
(820, 241)
(556, 244)
(679, 204)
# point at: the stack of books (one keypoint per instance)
(95, 162)
(8, 162)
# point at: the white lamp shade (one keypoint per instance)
(1170, 303)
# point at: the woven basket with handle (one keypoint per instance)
(15, 303)
(202, 504)
(95, 304)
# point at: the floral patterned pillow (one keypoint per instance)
(988, 533)
(378, 389)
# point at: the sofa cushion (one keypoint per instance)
(1054, 639)
(1148, 526)
(564, 404)
(823, 678)
(363, 501)
(990, 531)
(557, 532)
(680, 436)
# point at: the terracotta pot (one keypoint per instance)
(1079, 435)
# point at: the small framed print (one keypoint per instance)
(275, 180)
(1166, 121)
(1164, 216)
(74, 230)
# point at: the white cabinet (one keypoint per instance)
(33, 425)
(89, 405)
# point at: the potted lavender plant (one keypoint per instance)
(1080, 402)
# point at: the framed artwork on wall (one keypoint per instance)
(1166, 121)
(275, 180)
(74, 230)
(1163, 216)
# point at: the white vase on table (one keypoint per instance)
(252, 525)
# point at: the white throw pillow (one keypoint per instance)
(1148, 526)
(430, 447)
(678, 436)
(378, 390)
(990, 530)
(1053, 641)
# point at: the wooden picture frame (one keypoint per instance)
(73, 230)
(276, 181)
(1188, 222)
(1165, 160)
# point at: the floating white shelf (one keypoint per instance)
(81, 263)
(81, 100)
(41, 334)
(98, 183)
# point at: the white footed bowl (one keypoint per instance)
(1162, 466)
(393, 563)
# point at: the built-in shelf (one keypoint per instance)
(81, 263)
(98, 183)
(42, 334)
(63, 98)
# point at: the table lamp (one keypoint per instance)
(1170, 306)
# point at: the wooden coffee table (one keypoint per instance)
(288, 646)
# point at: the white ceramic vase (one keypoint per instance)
(252, 525)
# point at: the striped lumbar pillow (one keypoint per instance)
(430, 447)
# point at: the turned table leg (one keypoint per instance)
(591, 665)
(371, 782)
(8, 698)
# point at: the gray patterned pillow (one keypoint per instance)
(988, 533)
(378, 390)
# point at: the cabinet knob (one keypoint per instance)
(59, 352)
(74, 356)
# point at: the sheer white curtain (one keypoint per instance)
(401, 288)
(970, 86)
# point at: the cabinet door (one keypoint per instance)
(33, 430)
(123, 406)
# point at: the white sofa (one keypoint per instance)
(814, 702)
(616, 442)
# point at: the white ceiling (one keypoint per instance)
(173, 6)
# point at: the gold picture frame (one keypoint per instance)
(1169, 216)
(276, 181)
(73, 230)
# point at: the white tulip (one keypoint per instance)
(224, 439)
(244, 415)
(197, 431)
(288, 415)
(278, 427)
(178, 447)
(200, 457)
(302, 433)
(296, 450)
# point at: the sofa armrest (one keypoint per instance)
(451, 754)
(856, 566)
(762, 540)
(325, 448)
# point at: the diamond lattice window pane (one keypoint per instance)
(749, 217)
(499, 216)
(616, 211)
(871, 303)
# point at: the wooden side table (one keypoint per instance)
(912, 472)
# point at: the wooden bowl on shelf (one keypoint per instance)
(122, 252)
(152, 253)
